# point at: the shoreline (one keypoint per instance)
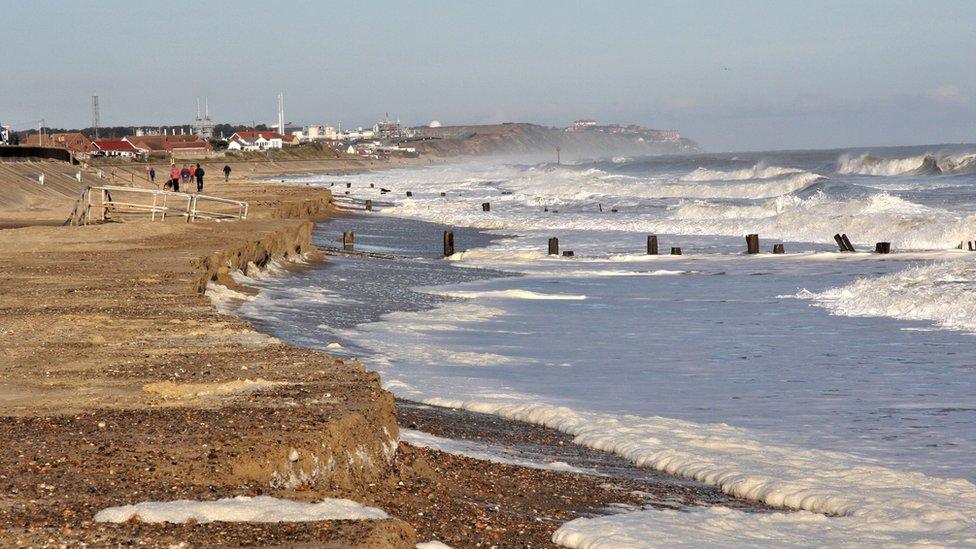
(599, 476)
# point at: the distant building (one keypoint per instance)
(388, 129)
(256, 141)
(583, 124)
(115, 148)
(434, 124)
(76, 142)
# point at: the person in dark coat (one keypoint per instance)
(198, 173)
(226, 173)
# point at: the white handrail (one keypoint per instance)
(190, 211)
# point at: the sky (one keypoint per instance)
(733, 75)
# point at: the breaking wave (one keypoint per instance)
(942, 293)
(926, 164)
(759, 171)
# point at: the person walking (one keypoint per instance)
(226, 173)
(174, 178)
(152, 175)
(185, 177)
(199, 173)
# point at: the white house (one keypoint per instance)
(255, 141)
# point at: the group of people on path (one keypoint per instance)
(184, 176)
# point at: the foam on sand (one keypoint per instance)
(873, 504)
(480, 451)
(241, 509)
(942, 293)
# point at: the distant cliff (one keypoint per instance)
(531, 139)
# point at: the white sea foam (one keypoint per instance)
(241, 509)
(482, 451)
(942, 293)
(507, 294)
(874, 504)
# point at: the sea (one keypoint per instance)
(838, 387)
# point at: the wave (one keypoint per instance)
(942, 293)
(875, 218)
(753, 183)
(758, 171)
(926, 164)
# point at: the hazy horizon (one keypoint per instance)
(743, 76)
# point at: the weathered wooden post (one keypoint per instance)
(779, 249)
(448, 243)
(847, 243)
(409, 193)
(371, 185)
(675, 250)
(348, 241)
(844, 243)
(882, 247)
(651, 244)
(554, 246)
(752, 243)
(971, 244)
(369, 205)
(568, 253)
(486, 206)
(443, 194)
(348, 185)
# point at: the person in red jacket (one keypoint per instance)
(174, 177)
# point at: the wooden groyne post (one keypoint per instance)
(486, 206)
(752, 243)
(553, 246)
(448, 243)
(348, 241)
(651, 244)
(675, 250)
(843, 243)
(882, 247)
(779, 249)
(369, 205)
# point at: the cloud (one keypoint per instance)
(948, 94)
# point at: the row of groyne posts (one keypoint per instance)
(752, 240)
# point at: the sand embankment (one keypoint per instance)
(121, 383)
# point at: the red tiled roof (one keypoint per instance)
(115, 145)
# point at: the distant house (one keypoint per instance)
(255, 141)
(583, 124)
(291, 140)
(171, 145)
(75, 142)
(115, 148)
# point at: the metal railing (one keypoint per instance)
(155, 203)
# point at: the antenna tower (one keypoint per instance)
(95, 116)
